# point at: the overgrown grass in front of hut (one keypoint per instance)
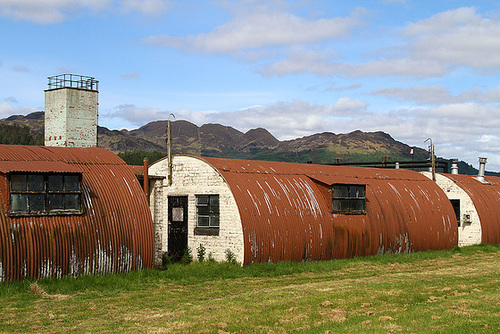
(451, 291)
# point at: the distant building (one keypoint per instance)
(270, 211)
(476, 201)
(71, 111)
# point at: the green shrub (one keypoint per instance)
(230, 257)
(187, 257)
(201, 251)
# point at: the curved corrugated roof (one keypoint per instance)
(286, 211)
(486, 199)
(114, 234)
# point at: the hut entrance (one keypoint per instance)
(177, 226)
(456, 207)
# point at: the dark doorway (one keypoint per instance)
(456, 207)
(177, 226)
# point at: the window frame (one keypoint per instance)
(46, 193)
(351, 200)
(207, 209)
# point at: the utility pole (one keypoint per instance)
(433, 160)
(169, 149)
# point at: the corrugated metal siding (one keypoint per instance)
(286, 214)
(115, 233)
(486, 199)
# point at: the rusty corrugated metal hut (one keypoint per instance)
(300, 212)
(485, 197)
(70, 211)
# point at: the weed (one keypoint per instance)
(230, 257)
(187, 257)
(201, 250)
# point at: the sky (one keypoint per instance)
(413, 69)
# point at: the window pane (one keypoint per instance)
(338, 190)
(72, 182)
(18, 203)
(36, 183)
(36, 202)
(203, 210)
(353, 191)
(214, 204)
(72, 202)
(55, 202)
(214, 221)
(214, 200)
(178, 214)
(18, 182)
(203, 221)
(336, 205)
(55, 183)
(361, 191)
(358, 204)
(202, 200)
(344, 204)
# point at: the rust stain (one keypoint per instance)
(114, 234)
(286, 211)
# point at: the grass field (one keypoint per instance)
(455, 291)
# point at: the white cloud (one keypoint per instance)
(146, 7)
(56, 11)
(131, 75)
(47, 11)
(439, 94)
(136, 115)
(262, 27)
(7, 109)
(11, 99)
(459, 37)
(430, 48)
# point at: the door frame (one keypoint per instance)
(177, 228)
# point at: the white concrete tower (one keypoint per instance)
(71, 111)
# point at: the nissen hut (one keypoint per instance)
(476, 201)
(70, 211)
(271, 211)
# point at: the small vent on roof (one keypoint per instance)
(482, 169)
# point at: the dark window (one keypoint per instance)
(207, 207)
(348, 198)
(45, 194)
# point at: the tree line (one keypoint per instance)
(19, 135)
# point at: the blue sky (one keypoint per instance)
(413, 69)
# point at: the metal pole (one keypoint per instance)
(169, 149)
(433, 160)
(145, 181)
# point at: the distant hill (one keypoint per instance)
(224, 141)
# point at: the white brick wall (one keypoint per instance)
(159, 225)
(193, 176)
(468, 233)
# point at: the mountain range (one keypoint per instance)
(224, 141)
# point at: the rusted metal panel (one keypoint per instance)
(38, 166)
(286, 211)
(114, 234)
(486, 198)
